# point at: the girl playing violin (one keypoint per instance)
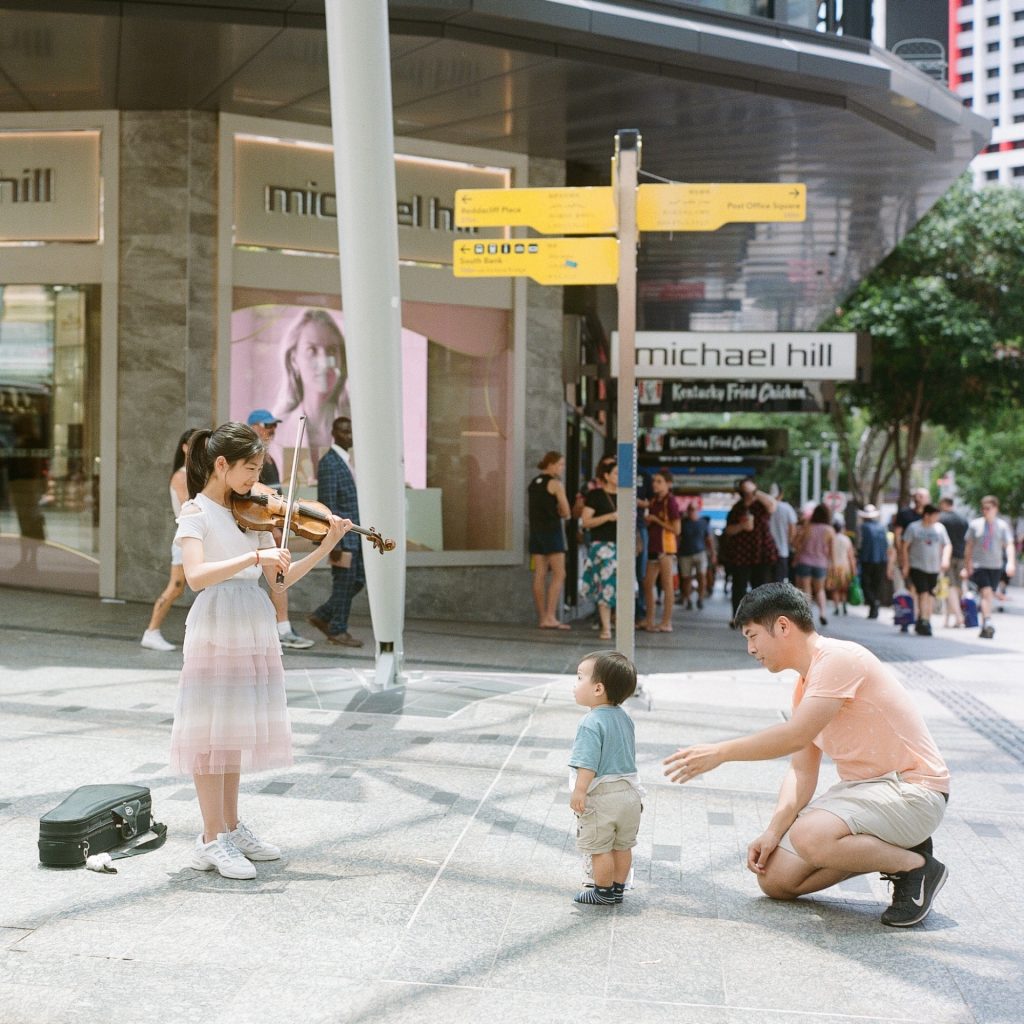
(231, 714)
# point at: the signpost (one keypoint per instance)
(834, 501)
(624, 208)
(625, 170)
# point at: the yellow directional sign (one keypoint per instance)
(567, 211)
(708, 207)
(546, 260)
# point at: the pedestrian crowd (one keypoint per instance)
(932, 560)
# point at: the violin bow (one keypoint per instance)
(291, 490)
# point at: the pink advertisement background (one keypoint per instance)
(257, 367)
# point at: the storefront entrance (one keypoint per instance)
(49, 436)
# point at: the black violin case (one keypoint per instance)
(96, 819)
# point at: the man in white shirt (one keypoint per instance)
(782, 526)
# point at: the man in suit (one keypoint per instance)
(336, 488)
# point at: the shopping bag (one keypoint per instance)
(855, 595)
(969, 608)
(902, 609)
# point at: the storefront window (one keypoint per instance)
(49, 436)
(288, 355)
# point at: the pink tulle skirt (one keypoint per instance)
(231, 714)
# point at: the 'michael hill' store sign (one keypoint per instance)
(50, 186)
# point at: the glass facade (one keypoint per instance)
(49, 436)
(841, 17)
(288, 355)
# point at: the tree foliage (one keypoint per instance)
(945, 312)
(989, 461)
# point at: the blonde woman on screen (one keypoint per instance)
(314, 385)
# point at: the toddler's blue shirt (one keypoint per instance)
(605, 742)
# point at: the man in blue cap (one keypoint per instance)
(264, 422)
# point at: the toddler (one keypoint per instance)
(606, 789)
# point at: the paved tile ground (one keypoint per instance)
(430, 863)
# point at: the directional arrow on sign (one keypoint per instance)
(710, 206)
(566, 211)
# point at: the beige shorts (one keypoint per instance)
(690, 564)
(897, 812)
(611, 820)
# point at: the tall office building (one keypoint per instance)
(986, 69)
(977, 48)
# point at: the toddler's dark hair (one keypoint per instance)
(615, 672)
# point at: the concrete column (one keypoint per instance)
(359, 63)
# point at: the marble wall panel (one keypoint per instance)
(168, 251)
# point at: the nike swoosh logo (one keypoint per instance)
(919, 902)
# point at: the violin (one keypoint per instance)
(310, 519)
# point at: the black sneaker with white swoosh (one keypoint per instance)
(913, 893)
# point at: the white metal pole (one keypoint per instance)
(627, 163)
(359, 64)
(833, 467)
(803, 481)
(817, 477)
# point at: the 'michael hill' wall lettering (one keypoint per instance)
(311, 202)
(284, 199)
(50, 186)
(34, 185)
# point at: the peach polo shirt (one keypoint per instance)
(878, 728)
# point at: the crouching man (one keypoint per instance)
(893, 783)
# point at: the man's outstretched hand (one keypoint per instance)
(688, 763)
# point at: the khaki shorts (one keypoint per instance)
(691, 564)
(897, 812)
(611, 820)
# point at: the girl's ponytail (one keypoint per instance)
(197, 462)
(235, 441)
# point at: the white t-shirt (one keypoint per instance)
(988, 549)
(215, 526)
(925, 545)
(781, 520)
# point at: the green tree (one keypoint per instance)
(945, 312)
(988, 461)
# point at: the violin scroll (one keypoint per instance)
(379, 542)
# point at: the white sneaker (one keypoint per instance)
(154, 640)
(250, 845)
(223, 855)
(295, 642)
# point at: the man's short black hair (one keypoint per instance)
(766, 603)
(929, 510)
(615, 672)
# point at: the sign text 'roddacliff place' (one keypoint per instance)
(718, 355)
